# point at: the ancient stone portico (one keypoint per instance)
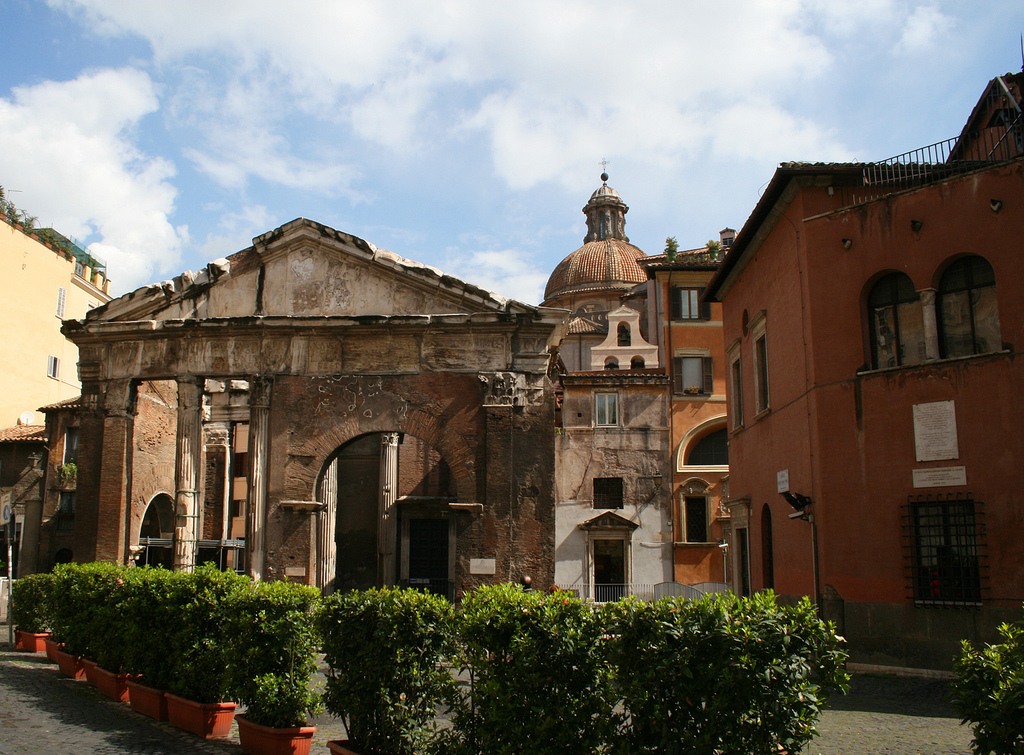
(383, 416)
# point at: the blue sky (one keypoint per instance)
(462, 134)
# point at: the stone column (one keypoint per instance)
(931, 330)
(386, 526)
(256, 506)
(326, 523)
(187, 463)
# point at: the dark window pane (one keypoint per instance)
(711, 450)
(607, 492)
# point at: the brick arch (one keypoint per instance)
(456, 452)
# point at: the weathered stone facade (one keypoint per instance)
(333, 340)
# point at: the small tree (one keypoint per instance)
(671, 248)
(988, 692)
(387, 651)
(540, 677)
(29, 612)
(270, 652)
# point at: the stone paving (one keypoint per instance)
(44, 712)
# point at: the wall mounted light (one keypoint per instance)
(916, 225)
(847, 243)
(995, 204)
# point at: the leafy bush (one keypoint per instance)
(271, 652)
(540, 676)
(386, 651)
(86, 606)
(148, 616)
(29, 612)
(988, 692)
(195, 632)
(722, 674)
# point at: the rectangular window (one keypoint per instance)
(66, 512)
(606, 409)
(607, 492)
(944, 541)
(695, 519)
(693, 375)
(686, 305)
(761, 372)
(736, 388)
(71, 445)
(53, 367)
(62, 296)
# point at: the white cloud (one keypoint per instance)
(508, 272)
(69, 147)
(235, 231)
(924, 28)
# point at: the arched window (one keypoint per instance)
(968, 312)
(637, 363)
(624, 336)
(710, 451)
(896, 321)
(611, 363)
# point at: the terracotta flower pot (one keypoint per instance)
(110, 684)
(207, 720)
(147, 701)
(345, 747)
(33, 642)
(52, 646)
(265, 740)
(90, 667)
(70, 665)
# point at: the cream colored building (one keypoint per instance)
(41, 285)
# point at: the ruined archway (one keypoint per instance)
(386, 517)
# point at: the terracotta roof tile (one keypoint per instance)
(21, 433)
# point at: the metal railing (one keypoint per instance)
(999, 140)
(603, 593)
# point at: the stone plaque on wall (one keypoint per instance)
(935, 431)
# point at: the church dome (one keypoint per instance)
(596, 266)
(606, 261)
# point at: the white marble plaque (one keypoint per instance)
(935, 431)
(940, 477)
(482, 566)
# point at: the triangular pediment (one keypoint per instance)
(306, 269)
(608, 520)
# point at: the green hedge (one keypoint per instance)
(988, 692)
(387, 651)
(270, 651)
(544, 672)
(29, 611)
(540, 671)
(722, 674)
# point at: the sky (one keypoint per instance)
(463, 134)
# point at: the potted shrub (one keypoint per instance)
(196, 698)
(149, 614)
(29, 612)
(387, 652)
(721, 674)
(107, 586)
(68, 605)
(270, 658)
(540, 676)
(988, 691)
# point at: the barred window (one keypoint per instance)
(607, 492)
(66, 512)
(945, 543)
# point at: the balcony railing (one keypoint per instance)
(603, 593)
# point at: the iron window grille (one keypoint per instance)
(944, 543)
(608, 493)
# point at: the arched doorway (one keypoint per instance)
(386, 517)
(156, 535)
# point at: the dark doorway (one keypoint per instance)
(767, 548)
(609, 570)
(428, 555)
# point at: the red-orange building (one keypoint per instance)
(872, 317)
(692, 347)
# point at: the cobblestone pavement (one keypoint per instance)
(44, 712)
(891, 715)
